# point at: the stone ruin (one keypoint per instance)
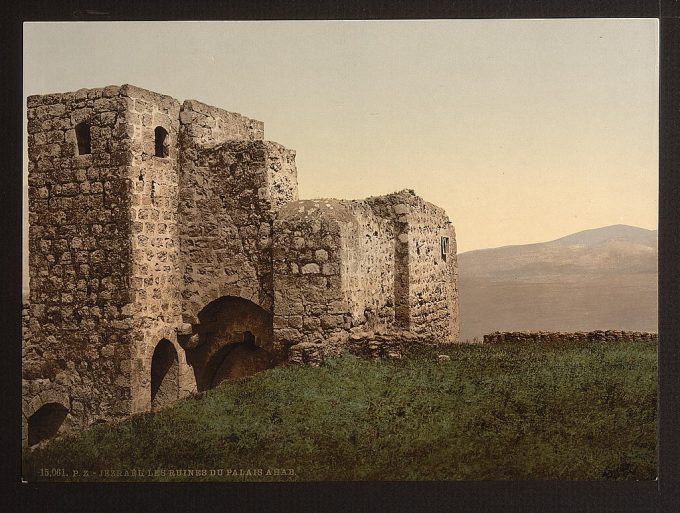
(168, 251)
(528, 337)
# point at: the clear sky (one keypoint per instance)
(523, 130)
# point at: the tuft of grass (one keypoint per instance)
(534, 411)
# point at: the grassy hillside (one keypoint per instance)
(504, 412)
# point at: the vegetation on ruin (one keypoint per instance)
(578, 411)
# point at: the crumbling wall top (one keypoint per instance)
(306, 211)
(389, 204)
(127, 90)
(208, 125)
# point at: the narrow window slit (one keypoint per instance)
(84, 138)
(161, 135)
(445, 247)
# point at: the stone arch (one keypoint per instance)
(37, 401)
(251, 292)
(142, 363)
(164, 374)
(45, 422)
(234, 341)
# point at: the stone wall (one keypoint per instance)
(25, 320)
(333, 271)
(308, 300)
(205, 125)
(425, 280)
(103, 250)
(232, 183)
(114, 173)
(368, 269)
(155, 280)
(229, 196)
(433, 292)
(392, 207)
(376, 345)
(523, 337)
(80, 256)
(347, 267)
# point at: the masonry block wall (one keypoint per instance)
(230, 196)
(432, 275)
(347, 267)
(426, 269)
(80, 256)
(368, 270)
(309, 296)
(233, 183)
(204, 125)
(155, 280)
(169, 251)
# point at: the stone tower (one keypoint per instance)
(121, 178)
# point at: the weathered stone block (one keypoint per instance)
(310, 269)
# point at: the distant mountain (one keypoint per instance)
(605, 278)
(621, 232)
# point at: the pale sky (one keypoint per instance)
(523, 130)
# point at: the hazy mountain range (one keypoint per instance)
(604, 278)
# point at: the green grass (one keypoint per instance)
(583, 411)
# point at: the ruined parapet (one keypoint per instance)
(426, 267)
(309, 303)
(373, 345)
(524, 337)
(206, 125)
(343, 267)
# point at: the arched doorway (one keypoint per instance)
(234, 338)
(45, 422)
(164, 375)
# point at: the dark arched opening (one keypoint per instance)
(234, 337)
(164, 375)
(237, 361)
(161, 138)
(45, 422)
(83, 138)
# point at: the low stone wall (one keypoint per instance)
(365, 344)
(520, 337)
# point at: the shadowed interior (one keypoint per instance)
(45, 422)
(234, 337)
(164, 374)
